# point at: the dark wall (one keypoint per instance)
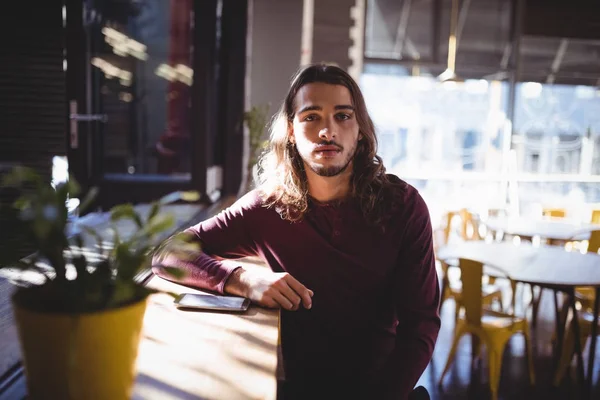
(276, 30)
(32, 85)
(32, 95)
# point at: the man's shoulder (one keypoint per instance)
(253, 202)
(405, 195)
(401, 189)
(250, 201)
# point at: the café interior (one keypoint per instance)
(490, 108)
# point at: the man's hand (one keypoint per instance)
(269, 289)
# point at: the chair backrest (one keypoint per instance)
(470, 275)
(448, 228)
(554, 212)
(595, 217)
(594, 242)
(470, 225)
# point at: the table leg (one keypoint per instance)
(560, 327)
(576, 329)
(590, 371)
(535, 303)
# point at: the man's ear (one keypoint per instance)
(291, 137)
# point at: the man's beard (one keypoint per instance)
(332, 170)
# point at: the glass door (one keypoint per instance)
(130, 72)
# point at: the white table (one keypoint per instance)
(546, 266)
(547, 228)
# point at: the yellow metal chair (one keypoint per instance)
(585, 296)
(490, 294)
(492, 328)
(469, 231)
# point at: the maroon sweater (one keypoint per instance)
(374, 319)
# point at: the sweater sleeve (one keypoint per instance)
(223, 236)
(417, 296)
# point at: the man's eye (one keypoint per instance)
(343, 117)
(311, 117)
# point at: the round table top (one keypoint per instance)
(547, 228)
(550, 266)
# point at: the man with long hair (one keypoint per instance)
(349, 246)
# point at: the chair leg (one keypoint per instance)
(501, 301)
(568, 350)
(452, 354)
(457, 307)
(495, 366)
(529, 355)
(535, 305)
(513, 298)
(444, 289)
(566, 356)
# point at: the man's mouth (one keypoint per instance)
(328, 148)
(327, 151)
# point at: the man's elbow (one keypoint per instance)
(159, 265)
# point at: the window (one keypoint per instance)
(142, 53)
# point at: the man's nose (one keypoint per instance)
(327, 132)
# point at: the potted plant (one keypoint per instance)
(79, 325)
(256, 121)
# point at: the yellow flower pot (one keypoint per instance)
(80, 356)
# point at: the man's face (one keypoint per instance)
(325, 129)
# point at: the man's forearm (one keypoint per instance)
(202, 271)
(234, 284)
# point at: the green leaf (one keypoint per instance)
(144, 291)
(183, 245)
(124, 292)
(173, 295)
(89, 198)
(79, 241)
(80, 264)
(21, 175)
(175, 273)
(190, 196)
(159, 224)
(102, 275)
(62, 192)
(125, 211)
(129, 262)
(73, 186)
(154, 211)
(92, 232)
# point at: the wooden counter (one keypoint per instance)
(206, 355)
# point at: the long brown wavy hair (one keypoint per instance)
(282, 178)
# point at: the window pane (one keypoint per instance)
(142, 54)
(557, 129)
(426, 127)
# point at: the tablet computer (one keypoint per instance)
(212, 302)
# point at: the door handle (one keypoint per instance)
(89, 117)
(75, 118)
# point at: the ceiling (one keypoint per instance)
(404, 32)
